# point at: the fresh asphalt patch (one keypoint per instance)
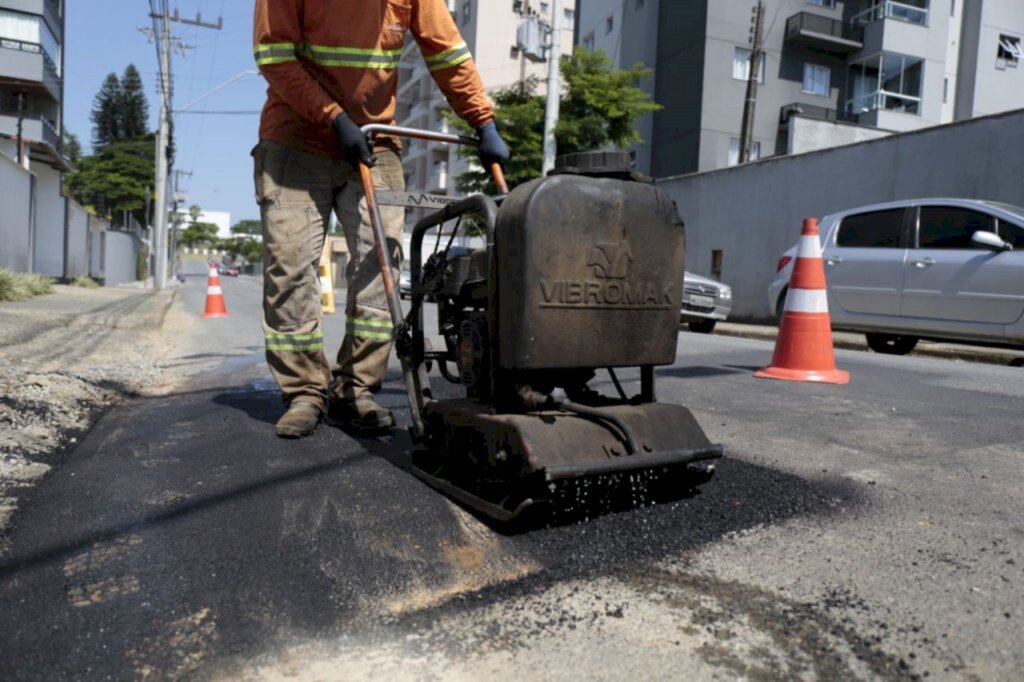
(198, 537)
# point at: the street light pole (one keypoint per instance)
(554, 101)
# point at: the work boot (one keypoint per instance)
(300, 420)
(362, 415)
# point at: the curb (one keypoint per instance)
(989, 356)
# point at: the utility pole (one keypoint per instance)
(21, 121)
(554, 88)
(177, 216)
(163, 138)
(754, 70)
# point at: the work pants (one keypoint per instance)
(297, 191)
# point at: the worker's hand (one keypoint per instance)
(492, 148)
(353, 143)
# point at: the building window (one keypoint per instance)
(817, 80)
(822, 3)
(609, 24)
(741, 65)
(886, 81)
(1009, 51)
(29, 32)
(734, 151)
(545, 7)
(588, 41)
(570, 16)
(467, 13)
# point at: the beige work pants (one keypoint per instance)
(297, 191)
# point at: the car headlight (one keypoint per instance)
(725, 293)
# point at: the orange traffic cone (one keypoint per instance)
(214, 296)
(803, 348)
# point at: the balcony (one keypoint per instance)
(912, 12)
(27, 66)
(808, 110)
(806, 29)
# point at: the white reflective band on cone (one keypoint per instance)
(806, 301)
(213, 291)
(810, 247)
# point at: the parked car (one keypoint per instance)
(942, 269)
(705, 302)
(405, 283)
(231, 270)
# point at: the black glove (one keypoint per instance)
(353, 143)
(492, 148)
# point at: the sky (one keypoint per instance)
(103, 36)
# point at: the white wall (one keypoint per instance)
(49, 239)
(78, 240)
(15, 232)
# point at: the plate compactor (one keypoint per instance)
(582, 273)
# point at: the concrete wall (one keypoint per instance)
(15, 225)
(78, 241)
(810, 134)
(49, 240)
(753, 213)
(998, 89)
(121, 251)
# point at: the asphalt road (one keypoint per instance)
(860, 532)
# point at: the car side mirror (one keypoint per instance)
(990, 240)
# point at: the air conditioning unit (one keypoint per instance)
(530, 38)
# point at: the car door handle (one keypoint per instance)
(833, 260)
(924, 262)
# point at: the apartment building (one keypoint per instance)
(489, 29)
(835, 71)
(31, 84)
(33, 223)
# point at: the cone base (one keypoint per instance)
(833, 376)
(215, 314)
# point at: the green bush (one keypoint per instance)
(12, 287)
(18, 287)
(84, 282)
(38, 285)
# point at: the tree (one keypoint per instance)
(199, 234)
(133, 108)
(71, 148)
(249, 227)
(106, 126)
(194, 211)
(599, 109)
(115, 179)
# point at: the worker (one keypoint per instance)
(331, 67)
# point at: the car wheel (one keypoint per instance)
(703, 326)
(780, 307)
(891, 344)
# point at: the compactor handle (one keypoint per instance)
(415, 133)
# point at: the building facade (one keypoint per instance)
(489, 29)
(834, 72)
(31, 81)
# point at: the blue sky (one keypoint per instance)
(103, 36)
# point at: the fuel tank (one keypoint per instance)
(589, 274)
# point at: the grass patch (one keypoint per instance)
(38, 285)
(84, 282)
(18, 287)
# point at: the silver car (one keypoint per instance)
(949, 269)
(705, 302)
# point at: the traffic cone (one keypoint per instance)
(326, 284)
(214, 296)
(803, 348)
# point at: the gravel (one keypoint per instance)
(64, 359)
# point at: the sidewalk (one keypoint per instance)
(64, 358)
(851, 341)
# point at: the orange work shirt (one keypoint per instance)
(323, 57)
